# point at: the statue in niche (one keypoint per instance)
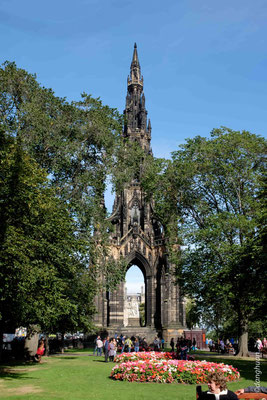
(135, 73)
(133, 310)
(135, 215)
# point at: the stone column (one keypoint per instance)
(116, 306)
(149, 319)
(98, 317)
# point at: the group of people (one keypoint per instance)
(182, 347)
(107, 346)
(230, 346)
(260, 344)
(110, 346)
(221, 346)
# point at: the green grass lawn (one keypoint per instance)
(82, 377)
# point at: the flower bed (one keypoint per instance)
(144, 356)
(168, 371)
(147, 356)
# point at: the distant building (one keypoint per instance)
(132, 302)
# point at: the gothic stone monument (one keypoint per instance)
(139, 237)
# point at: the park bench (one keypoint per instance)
(250, 396)
(263, 352)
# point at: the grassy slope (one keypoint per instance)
(73, 377)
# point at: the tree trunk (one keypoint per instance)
(46, 345)
(243, 340)
(62, 342)
(1, 342)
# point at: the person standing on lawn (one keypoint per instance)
(95, 349)
(106, 348)
(111, 349)
(99, 346)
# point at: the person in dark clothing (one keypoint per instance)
(144, 344)
(106, 348)
(172, 344)
(217, 388)
(184, 350)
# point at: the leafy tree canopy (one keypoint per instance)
(79, 144)
(44, 271)
(215, 191)
(56, 157)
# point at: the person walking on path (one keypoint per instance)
(172, 344)
(95, 349)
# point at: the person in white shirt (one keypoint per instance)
(99, 345)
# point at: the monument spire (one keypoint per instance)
(135, 72)
(138, 237)
(135, 126)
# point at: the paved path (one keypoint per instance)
(208, 354)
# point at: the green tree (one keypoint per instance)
(44, 275)
(216, 188)
(77, 145)
(192, 314)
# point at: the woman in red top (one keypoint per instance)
(40, 351)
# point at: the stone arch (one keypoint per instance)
(136, 258)
(134, 297)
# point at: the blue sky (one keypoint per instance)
(134, 280)
(204, 62)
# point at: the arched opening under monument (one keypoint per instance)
(134, 297)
